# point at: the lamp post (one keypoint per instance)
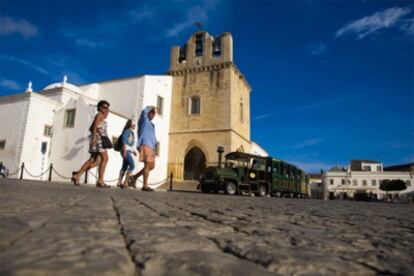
(220, 151)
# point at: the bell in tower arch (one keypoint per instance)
(216, 47)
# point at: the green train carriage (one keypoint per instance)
(248, 173)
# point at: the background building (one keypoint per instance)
(363, 176)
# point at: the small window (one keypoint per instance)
(343, 181)
(2, 144)
(379, 168)
(199, 45)
(241, 111)
(47, 131)
(364, 183)
(354, 182)
(366, 168)
(331, 182)
(157, 149)
(160, 105)
(194, 107)
(408, 182)
(70, 118)
(374, 182)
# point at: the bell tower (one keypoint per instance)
(210, 104)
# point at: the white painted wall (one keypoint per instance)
(124, 95)
(159, 86)
(258, 150)
(359, 176)
(12, 128)
(40, 113)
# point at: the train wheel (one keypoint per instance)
(204, 189)
(262, 190)
(230, 188)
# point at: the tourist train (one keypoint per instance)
(244, 173)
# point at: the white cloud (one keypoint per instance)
(307, 143)
(263, 116)
(317, 49)
(195, 14)
(9, 84)
(139, 15)
(377, 21)
(26, 63)
(312, 166)
(23, 27)
(408, 26)
(325, 103)
(83, 42)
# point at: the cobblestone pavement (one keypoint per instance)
(60, 229)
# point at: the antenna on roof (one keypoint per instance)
(199, 25)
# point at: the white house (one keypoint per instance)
(51, 125)
(364, 176)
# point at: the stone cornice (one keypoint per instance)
(210, 130)
(206, 68)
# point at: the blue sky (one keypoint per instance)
(331, 80)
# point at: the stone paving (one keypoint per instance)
(60, 229)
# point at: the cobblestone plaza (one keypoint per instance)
(60, 229)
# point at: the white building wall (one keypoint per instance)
(12, 127)
(359, 177)
(124, 95)
(159, 86)
(40, 113)
(258, 150)
(70, 145)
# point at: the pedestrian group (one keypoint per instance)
(100, 144)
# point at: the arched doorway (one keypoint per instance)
(194, 164)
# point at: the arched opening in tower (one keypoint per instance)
(194, 164)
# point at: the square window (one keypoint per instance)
(47, 131)
(331, 181)
(194, 105)
(157, 149)
(364, 183)
(355, 182)
(70, 117)
(160, 105)
(408, 182)
(2, 144)
(374, 182)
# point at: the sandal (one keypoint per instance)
(74, 180)
(102, 185)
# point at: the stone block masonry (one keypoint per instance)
(60, 229)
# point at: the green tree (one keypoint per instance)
(393, 185)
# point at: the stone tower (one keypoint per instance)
(210, 104)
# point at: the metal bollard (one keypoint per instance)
(86, 177)
(171, 182)
(50, 172)
(21, 172)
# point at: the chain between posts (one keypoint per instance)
(52, 169)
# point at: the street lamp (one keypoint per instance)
(220, 151)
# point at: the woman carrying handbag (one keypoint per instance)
(99, 143)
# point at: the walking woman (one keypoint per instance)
(128, 148)
(99, 143)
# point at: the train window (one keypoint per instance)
(258, 164)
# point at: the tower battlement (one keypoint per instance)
(202, 49)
